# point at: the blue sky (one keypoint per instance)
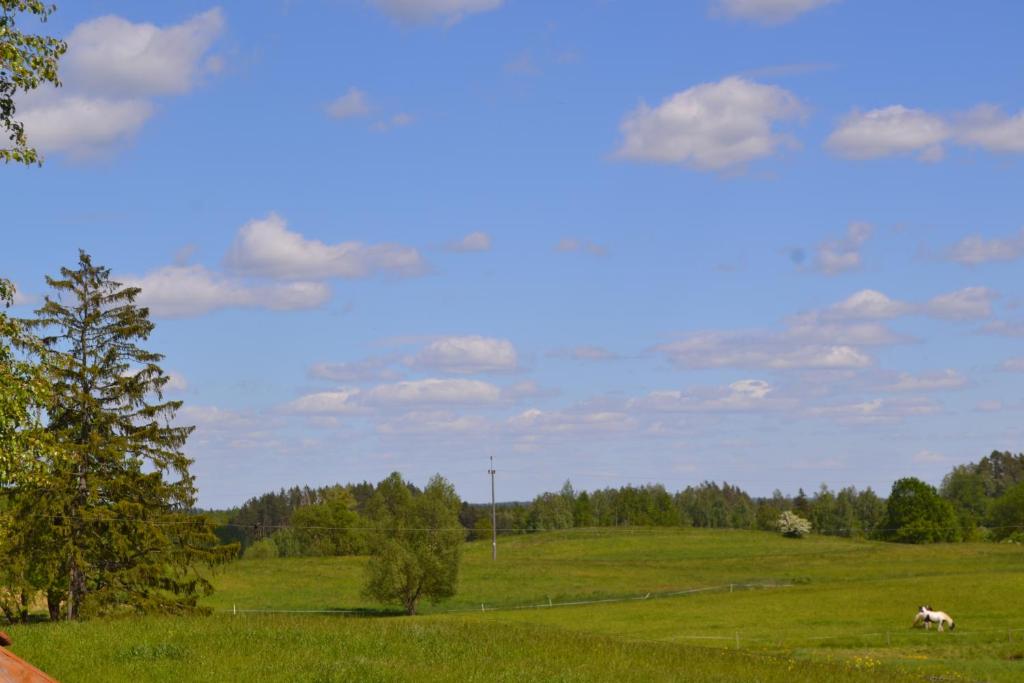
(776, 242)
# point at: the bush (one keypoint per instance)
(261, 550)
(793, 525)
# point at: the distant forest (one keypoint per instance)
(976, 501)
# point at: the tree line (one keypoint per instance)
(976, 501)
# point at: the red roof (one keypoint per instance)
(14, 669)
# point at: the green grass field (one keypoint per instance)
(836, 609)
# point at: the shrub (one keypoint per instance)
(793, 525)
(261, 550)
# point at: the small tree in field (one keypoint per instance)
(415, 544)
(793, 525)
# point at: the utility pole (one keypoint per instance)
(494, 516)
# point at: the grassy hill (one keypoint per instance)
(835, 609)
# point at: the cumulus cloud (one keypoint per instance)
(712, 126)
(434, 391)
(538, 422)
(975, 249)
(890, 130)
(186, 291)
(766, 11)
(352, 104)
(970, 303)
(111, 72)
(474, 241)
(740, 396)
(819, 328)
(176, 382)
(325, 403)
(877, 410)
(840, 255)
(467, 354)
(568, 245)
(449, 11)
(986, 126)
(868, 304)
(83, 126)
(926, 457)
(1013, 364)
(114, 56)
(936, 381)
(432, 422)
(20, 297)
(266, 247)
(366, 370)
(759, 350)
(1004, 328)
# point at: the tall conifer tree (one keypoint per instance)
(123, 492)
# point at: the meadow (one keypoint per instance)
(761, 608)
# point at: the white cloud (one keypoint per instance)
(818, 328)
(970, 303)
(740, 396)
(890, 130)
(467, 354)
(113, 56)
(840, 255)
(926, 457)
(474, 241)
(868, 304)
(433, 391)
(432, 422)
(82, 126)
(877, 410)
(366, 370)
(537, 422)
(712, 126)
(20, 297)
(449, 11)
(1004, 328)
(110, 73)
(185, 291)
(527, 388)
(1013, 364)
(325, 403)
(176, 382)
(760, 350)
(989, 406)
(975, 249)
(936, 381)
(988, 127)
(266, 247)
(352, 104)
(571, 244)
(766, 11)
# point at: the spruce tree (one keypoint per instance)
(120, 498)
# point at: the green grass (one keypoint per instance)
(842, 608)
(322, 649)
